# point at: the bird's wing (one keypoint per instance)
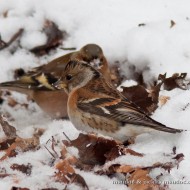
(40, 78)
(33, 81)
(121, 111)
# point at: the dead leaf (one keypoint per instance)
(4, 175)
(63, 152)
(5, 14)
(119, 151)
(8, 129)
(141, 24)
(66, 173)
(54, 38)
(22, 145)
(137, 178)
(140, 180)
(92, 149)
(174, 150)
(26, 169)
(166, 166)
(175, 81)
(116, 78)
(146, 99)
(139, 95)
(19, 188)
(178, 158)
(163, 100)
(12, 102)
(80, 180)
(5, 143)
(172, 24)
(117, 168)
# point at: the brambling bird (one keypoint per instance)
(37, 82)
(95, 106)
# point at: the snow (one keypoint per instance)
(126, 83)
(153, 48)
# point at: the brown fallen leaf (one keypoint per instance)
(4, 175)
(80, 180)
(119, 151)
(117, 168)
(140, 180)
(116, 77)
(65, 173)
(141, 24)
(178, 158)
(92, 149)
(21, 145)
(166, 166)
(19, 188)
(8, 129)
(54, 38)
(5, 14)
(163, 100)
(174, 150)
(26, 169)
(125, 169)
(146, 99)
(175, 81)
(12, 102)
(172, 24)
(137, 178)
(5, 143)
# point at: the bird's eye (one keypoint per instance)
(69, 77)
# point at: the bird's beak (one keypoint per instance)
(60, 85)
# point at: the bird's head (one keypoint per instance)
(76, 75)
(92, 54)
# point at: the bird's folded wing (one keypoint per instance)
(33, 81)
(121, 111)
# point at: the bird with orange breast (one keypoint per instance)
(95, 106)
(36, 83)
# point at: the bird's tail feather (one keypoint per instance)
(16, 86)
(166, 129)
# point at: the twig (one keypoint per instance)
(55, 155)
(4, 45)
(53, 146)
(67, 137)
(50, 152)
(69, 49)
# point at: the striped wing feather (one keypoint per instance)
(123, 112)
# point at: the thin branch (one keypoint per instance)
(4, 45)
